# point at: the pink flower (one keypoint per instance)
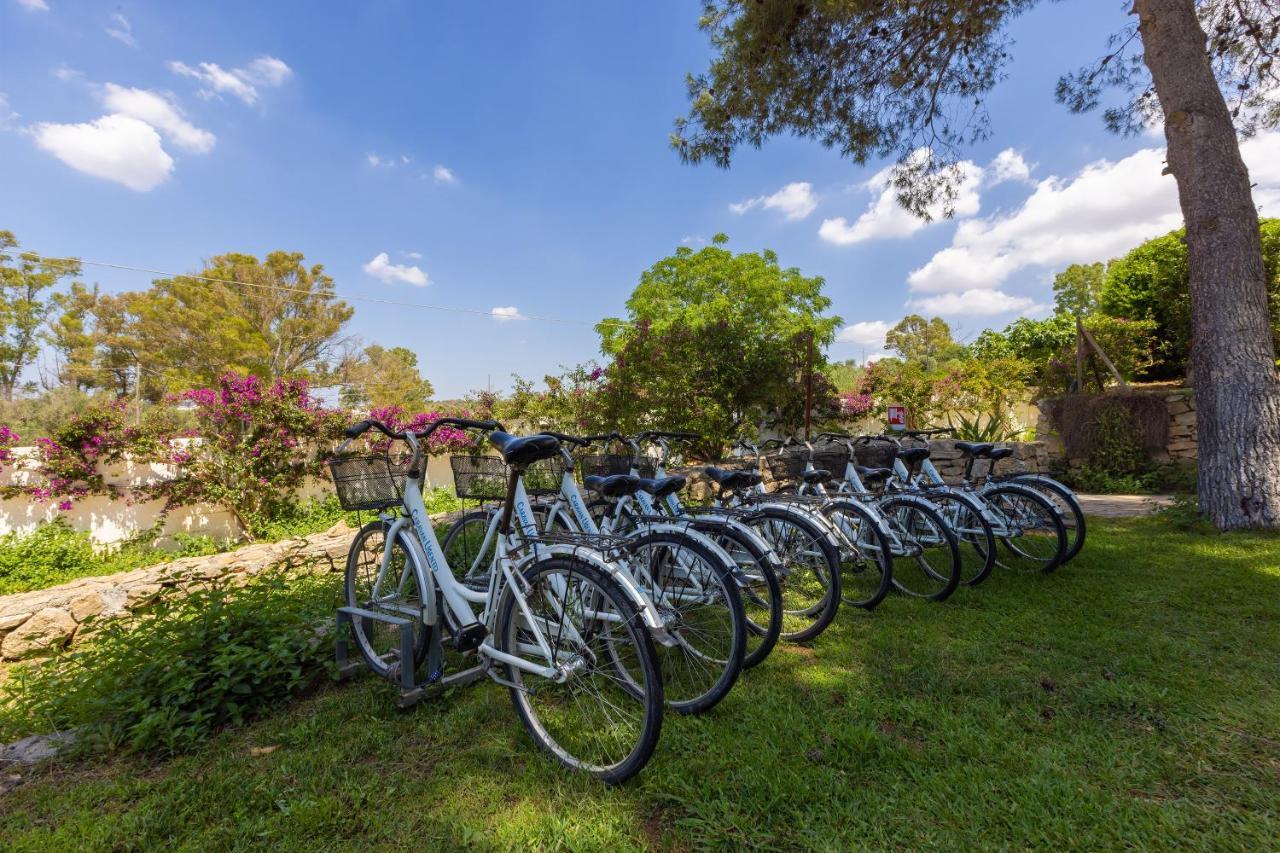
(65, 505)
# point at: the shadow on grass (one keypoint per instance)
(1127, 699)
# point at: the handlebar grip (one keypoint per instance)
(568, 439)
(357, 430)
(605, 436)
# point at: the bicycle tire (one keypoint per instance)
(649, 704)
(972, 530)
(1076, 530)
(370, 635)
(815, 542)
(948, 544)
(878, 553)
(1043, 507)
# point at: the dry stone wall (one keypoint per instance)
(45, 620)
(1181, 445)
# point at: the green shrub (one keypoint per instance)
(1093, 480)
(1184, 514)
(169, 677)
(1114, 443)
(54, 553)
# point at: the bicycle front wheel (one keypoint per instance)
(593, 715)
(866, 560)
(694, 589)
(1068, 508)
(975, 537)
(926, 557)
(810, 576)
(387, 581)
(1031, 531)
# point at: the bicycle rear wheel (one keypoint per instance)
(468, 552)
(1031, 531)
(588, 717)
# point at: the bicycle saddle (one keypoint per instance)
(517, 450)
(731, 480)
(974, 448)
(663, 486)
(613, 486)
(870, 475)
(1000, 453)
(912, 455)
(819, 475)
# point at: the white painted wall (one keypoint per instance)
(109, 521)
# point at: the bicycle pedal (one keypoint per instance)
(469, 637)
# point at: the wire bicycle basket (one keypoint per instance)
(831, 456)
(484, 478)
(788, 465)
(367, 482)
(608, 464)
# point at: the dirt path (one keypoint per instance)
(1123, 506)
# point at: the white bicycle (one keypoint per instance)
(559, 624)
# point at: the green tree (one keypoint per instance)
(92, 337)
(272, 318)
(909, 79)
(926, 341)
(1076, 289)
(716, 341)
(1152, 283)
(24, 306)
(382, 377)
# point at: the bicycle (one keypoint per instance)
(905, 529)
(758, 568)
(684, 573)
(561, 625)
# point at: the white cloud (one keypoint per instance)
(115, 147)
(976, 302)
(886, 219)
(444, 175)
(7, 116)
(1106, 209)
(243, 83)
(417, 256)
(34, 5)
(1262, 155)
(795, 201)
(693, 240)
(868, 333)
(121, 30)
(66, 73)
(1008, 166)
(506, 314)
(382, 269)
(159, 112)
(374, 160)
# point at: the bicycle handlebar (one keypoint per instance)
(674, 435)
(935, 431)
(357, 430)
(580, 441)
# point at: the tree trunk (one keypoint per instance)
(1232, 356)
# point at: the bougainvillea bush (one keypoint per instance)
(246, 445)
(257, 446)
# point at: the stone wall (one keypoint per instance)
(42, 621)
(1181, 445)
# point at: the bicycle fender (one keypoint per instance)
(817, 518)
(644, 606)
(745, 531)
(418, 553)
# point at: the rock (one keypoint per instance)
(13, 620)
(36, 748)
(1187, 419)
(86, 605)
(46, 629)
(143, 593)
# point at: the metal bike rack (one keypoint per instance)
(412, 691)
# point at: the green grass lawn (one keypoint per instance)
(1130, 699)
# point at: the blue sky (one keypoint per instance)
(515, 157)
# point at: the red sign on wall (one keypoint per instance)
(897, 418)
